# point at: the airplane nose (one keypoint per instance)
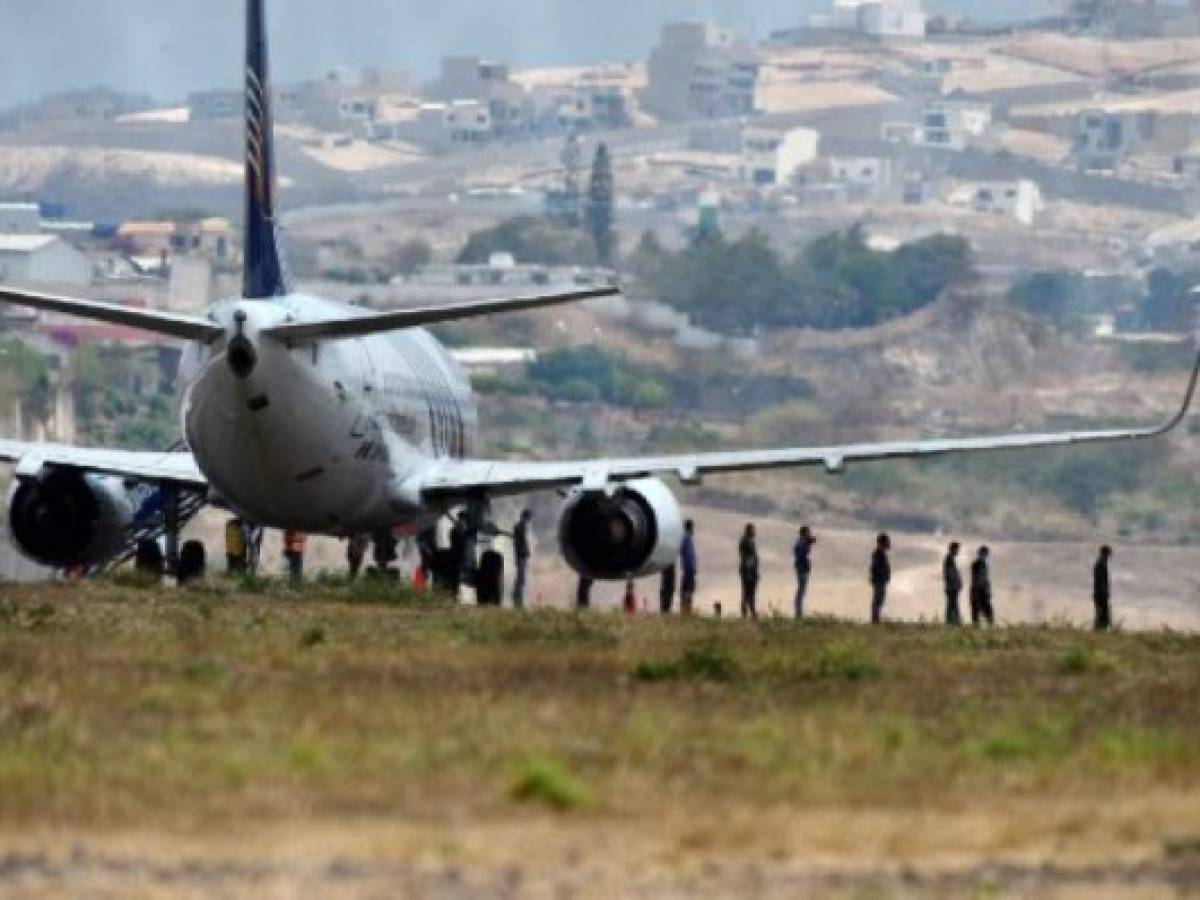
(241, 355)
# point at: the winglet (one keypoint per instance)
(1189, 397)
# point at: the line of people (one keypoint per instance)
(879, 576)
(682, 577)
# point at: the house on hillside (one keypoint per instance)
(772, 156)
(699, 71)
(1021, 200)
(44, 258)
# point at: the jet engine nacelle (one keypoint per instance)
(66, 518)
(637, 531)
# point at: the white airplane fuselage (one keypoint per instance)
(323, 436)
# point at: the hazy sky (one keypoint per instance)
(167, 47)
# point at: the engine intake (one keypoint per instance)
(637, 531)
(68, 519)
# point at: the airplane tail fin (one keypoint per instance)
(265, 276)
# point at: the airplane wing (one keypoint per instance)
(169, 324)
(175, 468)
(376, 323)
(451, 479)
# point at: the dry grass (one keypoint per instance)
(125, 707)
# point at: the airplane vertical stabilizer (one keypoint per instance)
(264, 276)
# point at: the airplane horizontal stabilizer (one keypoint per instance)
(397, 320)
(169, 324)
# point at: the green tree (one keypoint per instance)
(1059, 296)
(600, 207)
(530, 240)
(1169, 305)
(411, 256)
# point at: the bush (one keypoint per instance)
(530, 240)
(1080, 659)
(548, 781)
(848, 660)
(837, 281)
(709, 660)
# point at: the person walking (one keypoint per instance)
(687, 562)
(456, 561)
(802, 554)
(356, 554)
(748, 569)
(880, 577)
(981, 589)
(953, 583)
(666, 590)
(583, 592)
(1102, 589)
(521, 554)
(293, 553)
(236, 547)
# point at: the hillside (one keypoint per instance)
(968, 365)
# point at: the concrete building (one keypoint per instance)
(700, 71)
(1022, 200)
(487, 82)
(42, 257)
(863, 175)
(954, 124)
(1104, 140)
(883, 19)
(773, 156)
(20, 218)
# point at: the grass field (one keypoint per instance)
(334, 724)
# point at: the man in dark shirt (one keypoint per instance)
(748, 571)
(583, 592)
(688, 565)
(881, 576)
(803, 561)
(981, 589)
(666, 591)
(953, 584)
(521, 554)
(1102, 590)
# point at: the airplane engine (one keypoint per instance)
(637, 531)
(68, 519)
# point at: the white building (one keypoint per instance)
(1022, 200)
(869, 173)
(954, 124)
(772, 156)
(886, 19)
(42, 257)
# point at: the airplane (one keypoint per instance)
(300, 413)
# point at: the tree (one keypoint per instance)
(1059, 296)
(600, 201)
(530, 240)
(1168, 305)
(412, 256)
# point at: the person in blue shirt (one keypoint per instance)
(803, 560)
(688, 569)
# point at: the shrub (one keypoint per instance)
(709, 660)
(1079, 659)
(848, 660)
(313, 636)
(542, 779)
